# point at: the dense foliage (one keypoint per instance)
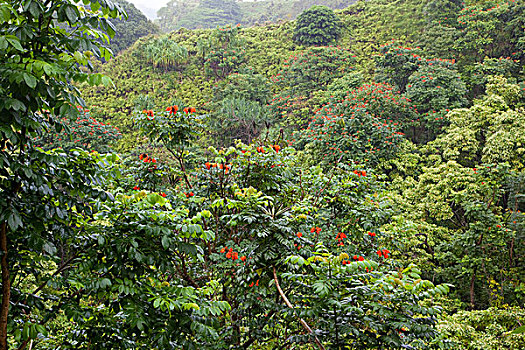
(130, 29)
(316, 26)
(266, 193)
(194, 14)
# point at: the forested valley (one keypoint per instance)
(350, 179)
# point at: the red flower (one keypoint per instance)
(224, 249)
(361, 258)
(355, 257)
(299, 234)
(163, 194)
(243, 258)
(208, 165)
(379, 253)
(136, 188)
(385, 253)
(172, 109)
(192, 110)
(340, 236)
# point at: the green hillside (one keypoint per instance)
(352, 179)
(197, 14)
(129, 29)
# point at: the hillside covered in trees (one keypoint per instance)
(351, 179)
(130, 28)
(198, 14)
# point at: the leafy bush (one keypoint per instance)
(247, 84)
(484, 329)
(86, 132)
(364, 127)
(238, 118)
(162, 52)
(316, 26)
(224, 51)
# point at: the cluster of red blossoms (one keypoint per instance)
(276, 148)
(360, 172)
(189, 110)
(372, 234)
(315, 230)
(230, 254)
(383, 253)
(359, 258)
(221, 166)
(340, 237)
(189, 194)
(147, 159)
(148, 112)
(172, 109)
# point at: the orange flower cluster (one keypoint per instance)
(189, 110)
(221, 166)
(148, 112)
(315, 229)
(360, 172)
(372, 234)
(147, 159)
(383, 253)
(276, 148)
(189, 194)
(340, 237)
(172, 109)
(230, 254)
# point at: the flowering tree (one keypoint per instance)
(364, 127)
(86, 132)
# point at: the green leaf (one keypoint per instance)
(107, 82)
(30, 80)
(71, 13)
(519, 330)
(13, 40)
(165, 242)
(3, 43)
(14, 221)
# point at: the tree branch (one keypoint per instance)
(287, 302)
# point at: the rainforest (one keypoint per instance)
(348, 176)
